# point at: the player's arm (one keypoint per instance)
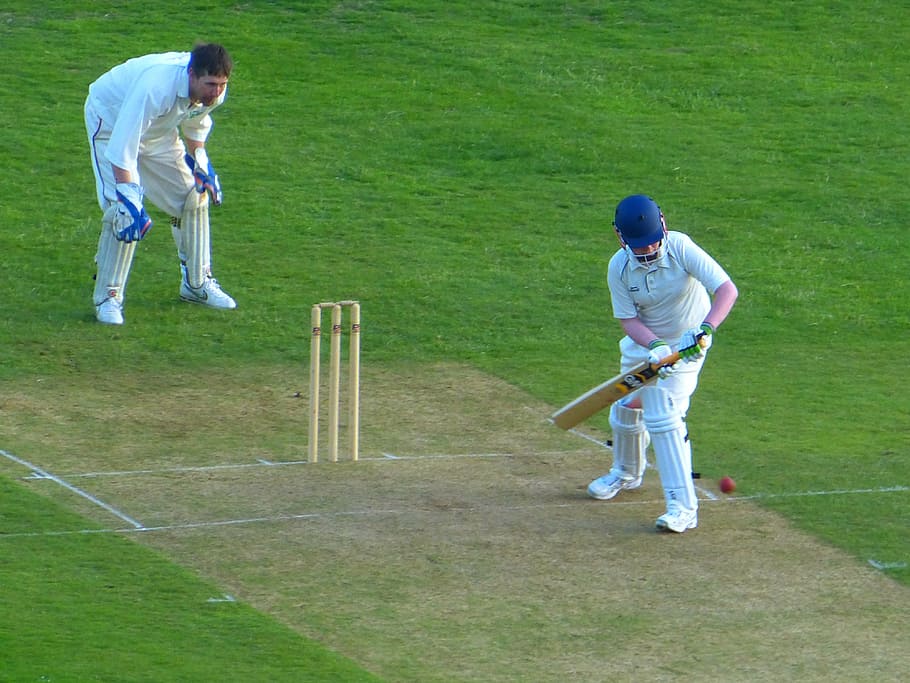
(723, 295)
(638, 332)
(192, 146)
(632, 325)
(624, 308)
(659, 349)
(121, 175)
(139, 107)
(722, 304)
(127, 217)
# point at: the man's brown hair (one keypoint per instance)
(211, 59)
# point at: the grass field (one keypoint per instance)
(454, 166)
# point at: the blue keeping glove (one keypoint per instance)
(204, 175)
(130, 222)
(659, 351)
(689, 348)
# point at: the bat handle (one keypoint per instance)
(675, 356)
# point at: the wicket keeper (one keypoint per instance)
(665, 291)
(147, 122)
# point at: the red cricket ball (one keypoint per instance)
(727, 485)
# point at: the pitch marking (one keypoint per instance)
(224, 598)
(38, 473)
(887, 565)
(378, 512)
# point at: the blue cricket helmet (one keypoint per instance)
(639, 221)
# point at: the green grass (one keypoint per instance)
(455, 165)
(97, 607)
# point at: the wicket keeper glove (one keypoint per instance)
(660, 350)
(130, 222)
(689, 348)
(204, 175)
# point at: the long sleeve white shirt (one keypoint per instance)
(144, 99)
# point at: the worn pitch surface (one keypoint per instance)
(462, 546)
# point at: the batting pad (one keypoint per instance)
(113, 259)
(674, 462)
(672, 450)
(194, 246)
(630, 441)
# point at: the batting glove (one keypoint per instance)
(689, 348)
(659, 351)
(204, 175)
(130, 222)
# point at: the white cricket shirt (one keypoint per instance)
(144, 99)
(670, 296)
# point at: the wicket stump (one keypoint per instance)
(335, 378)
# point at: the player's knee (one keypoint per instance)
(634, 403)
(662, 412)
(625, 419)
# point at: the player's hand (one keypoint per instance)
(130, 220)
(689, 348)
(204, 175)
(659, 351)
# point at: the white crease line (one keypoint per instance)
(224, 598)
(882, 566)
(288, 463)
(41, 474)
(588, 437)
(44, 474)
(179, 469)
(710, 495)
(206, 525)
(834, 492)
(460, 510)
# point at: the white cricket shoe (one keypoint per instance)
(607, 486)
(109, 312)
(209, 294)
(676, 519)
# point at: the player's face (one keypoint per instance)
(648, 254)
(645, 251)
(206, 89)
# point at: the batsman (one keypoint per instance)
(147, 122)
(667, 292)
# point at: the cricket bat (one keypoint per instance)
(606, 394)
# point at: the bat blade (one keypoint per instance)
(603, 395)
(606, 394)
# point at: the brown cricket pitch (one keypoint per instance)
(462, 546)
